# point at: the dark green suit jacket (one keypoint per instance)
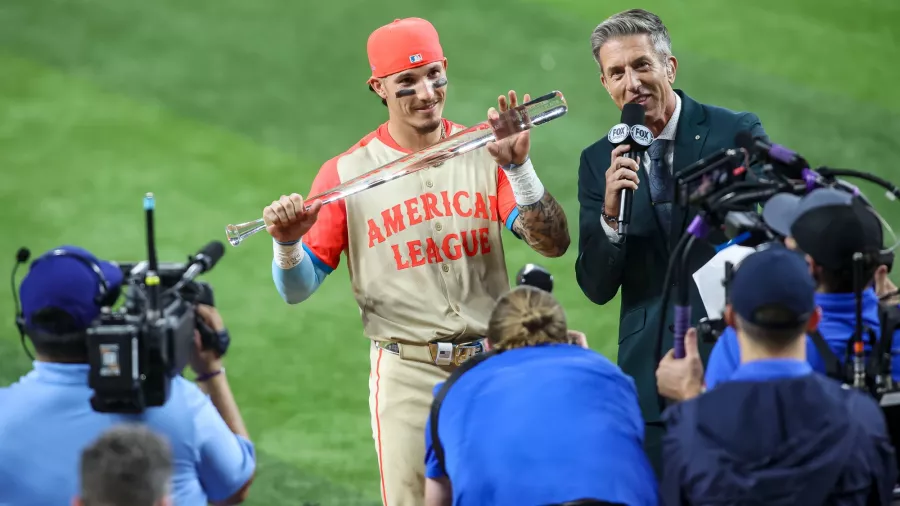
(638, 266)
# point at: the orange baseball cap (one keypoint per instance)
(402, 45)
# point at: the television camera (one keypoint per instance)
(726, 189)
(135, 350)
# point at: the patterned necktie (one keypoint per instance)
(662, 191)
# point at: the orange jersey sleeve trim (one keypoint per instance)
(327, 239)
(507, 209)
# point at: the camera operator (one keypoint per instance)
(829, 226)
(776, 433)
(129, 465)
(538, 419)
(47, 419)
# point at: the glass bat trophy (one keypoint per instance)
(518, 119)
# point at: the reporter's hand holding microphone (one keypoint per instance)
(631, 139)
(622, 174)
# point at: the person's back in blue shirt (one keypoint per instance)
(837, 327)
(776, 434)
(46, 420)
(543, 425)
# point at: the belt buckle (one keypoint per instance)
(444, 353)
(463, 353)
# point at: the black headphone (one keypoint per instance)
(102, 299)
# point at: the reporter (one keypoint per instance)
(829, 226)
(540, 419)
(46, 418)
(129, 465)
(775, 433)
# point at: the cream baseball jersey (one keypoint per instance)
(424, 251)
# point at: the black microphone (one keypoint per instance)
(632, 131)
(536, 276)
(22, 256)
(204, 260)
(788, 159)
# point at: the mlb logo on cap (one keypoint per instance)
(415, 58)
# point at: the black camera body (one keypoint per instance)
(135, 352)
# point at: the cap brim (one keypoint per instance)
(404, 69)
(112, 273)
(780, 212)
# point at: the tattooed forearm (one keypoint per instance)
(543, 226)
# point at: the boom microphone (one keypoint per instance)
(204, 260)
(776, 152)
(22, 256)
(632, 131)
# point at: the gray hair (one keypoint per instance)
(127, 465)
(632, 22)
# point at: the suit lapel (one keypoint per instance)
(689, 140)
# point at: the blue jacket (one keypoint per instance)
(837, 327)
(543, 425)
(776, 434)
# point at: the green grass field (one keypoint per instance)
(220, 106)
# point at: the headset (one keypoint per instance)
(105, 296)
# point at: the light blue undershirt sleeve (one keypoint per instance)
(300, 281)
(515, 212)
(512, 219)
(225, 461)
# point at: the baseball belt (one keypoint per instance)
(440, 353)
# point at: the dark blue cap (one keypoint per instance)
(68, 278)
(773, 288)
(828, 224)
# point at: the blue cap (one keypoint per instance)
(65, 278)
(773, 288)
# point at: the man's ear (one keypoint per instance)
(378, 85)
(814, 320)
(729, 315)
(813, 267)
(445, 64)
(671, 69)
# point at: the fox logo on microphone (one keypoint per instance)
(618, 133)
(642, 135)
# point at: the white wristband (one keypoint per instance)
(526, 187)
(288, 255)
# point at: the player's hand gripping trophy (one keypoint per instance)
(280, 218)
(288, 218)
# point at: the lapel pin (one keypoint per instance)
(697, 138)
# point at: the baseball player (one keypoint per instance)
(424, 252)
